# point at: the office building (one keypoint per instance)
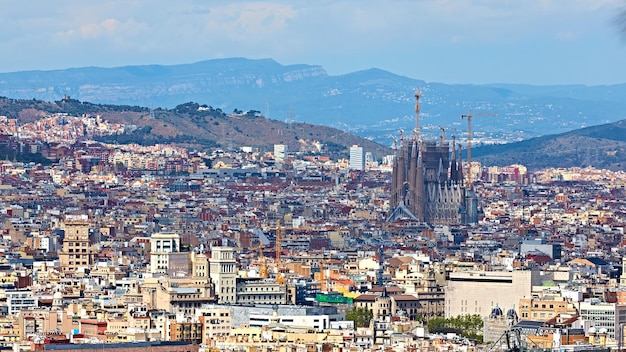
(280, 152)
(357, 158)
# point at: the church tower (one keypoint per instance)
(427, 180)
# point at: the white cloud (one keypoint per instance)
(405, 36)
(93, 30)
(248, 21)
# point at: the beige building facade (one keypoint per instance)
(477, 292)
(76, 252)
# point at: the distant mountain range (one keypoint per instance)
(374, 104)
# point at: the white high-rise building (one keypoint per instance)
(223, 271)
(357, 158)
(280, 152)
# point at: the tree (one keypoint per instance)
(436, 325)
(360, 316)
(469, 326)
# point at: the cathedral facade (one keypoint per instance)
(427, 182)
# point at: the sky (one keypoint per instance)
(540, 42)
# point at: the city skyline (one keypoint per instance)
(470, 41)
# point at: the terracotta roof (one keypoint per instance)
(390, 289)
(366, 297)
(395, 262)
(405, 298)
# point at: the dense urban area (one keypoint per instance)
(161, 248)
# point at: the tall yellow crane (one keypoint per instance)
(469, 144)
(263, 271)
(280, 277)
(278, 247)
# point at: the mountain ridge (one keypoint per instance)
(371, 103)
(600, 146)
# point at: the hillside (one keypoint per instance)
(201, 126)
(372, 103)
(197, 126)
(602, 146)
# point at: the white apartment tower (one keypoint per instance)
(280, 152)
(223, 271)
(357, 158)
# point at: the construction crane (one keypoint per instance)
(443, 132)
(263, 271)
(278, 246)
(469, 144)
(280, 277)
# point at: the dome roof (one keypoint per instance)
(511, 314)
(496, 312)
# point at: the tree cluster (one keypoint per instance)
(360, 316)
(469, 326)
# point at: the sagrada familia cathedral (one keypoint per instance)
(427, 182)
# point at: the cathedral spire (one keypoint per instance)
(460, 165)
(454, 174)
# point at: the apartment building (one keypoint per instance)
(76, 253)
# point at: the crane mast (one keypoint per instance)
(263, 271)
(469, 148)
(278, 248)
(469, 144)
